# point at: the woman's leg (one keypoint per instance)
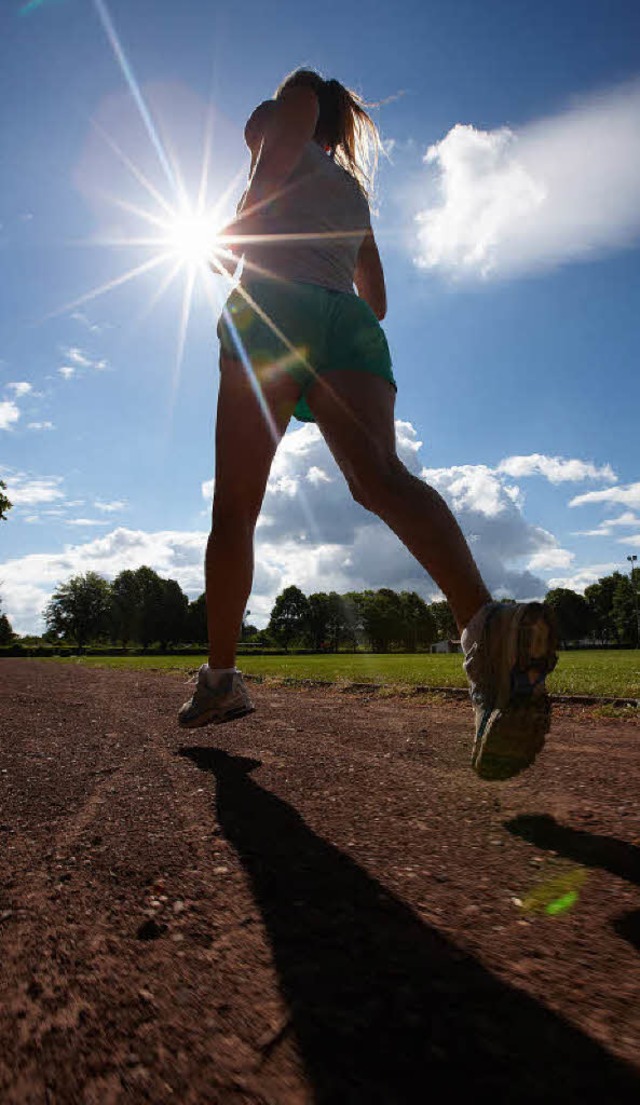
(247, 435)
(355, 413)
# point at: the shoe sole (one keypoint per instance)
(512, 738)
(512, 734)
(210, 718)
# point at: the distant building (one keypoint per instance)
(446, 646)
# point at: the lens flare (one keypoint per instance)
(191, 237)
(555, 895)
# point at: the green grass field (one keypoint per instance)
(615, 674)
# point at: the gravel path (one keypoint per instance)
(319, 903)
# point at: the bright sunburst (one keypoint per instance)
(182, 235)
(191, 237)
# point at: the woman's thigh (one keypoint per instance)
(354, 411)
(251, 419)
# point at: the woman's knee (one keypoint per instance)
(238, 513)
(374, 481)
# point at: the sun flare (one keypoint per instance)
(191, 238)
(184, 236)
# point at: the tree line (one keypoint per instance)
(606, 614)
(378, 620)
(142, 609)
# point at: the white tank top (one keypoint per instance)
(315, 226)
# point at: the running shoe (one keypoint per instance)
(209, 705)
(506, 667)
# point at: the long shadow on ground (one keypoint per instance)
(387, 1011)
(591, 850)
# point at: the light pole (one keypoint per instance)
(632, 560)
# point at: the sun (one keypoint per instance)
(191, 237)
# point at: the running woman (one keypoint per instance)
(298, 338)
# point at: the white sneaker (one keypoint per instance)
(506, 666)
(209, 705)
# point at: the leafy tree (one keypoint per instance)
(624, 607)
(289, 616)
(352, 612)
(381, 618)
(147, 608)
(339, 621)
(80, 609)
(573, 613)
(599, 596)
(7, 636)
(196, 621)
(247, 631)
(418, 623)
(172, 614)
(446, 628)
(317, 626)
(150, 601)
(125, 607)
(5, 504)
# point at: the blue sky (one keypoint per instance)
(508, 222)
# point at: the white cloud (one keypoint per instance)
(562, 189)
(110, 508)
(628, 495)
(551, 558)
(20, 388)
(472, 487)
(40, 426)
(317, 475)
(77, 357)
(509, 549)
(25, 490)
(554, 469)
(626, 519)
(9, 414)
(584, 577)
(86, 522)
(29, 581)
(345, 547)
(314, 535)
(606, 528)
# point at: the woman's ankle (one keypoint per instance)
(222, 663)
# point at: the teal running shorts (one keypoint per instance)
(313, 331)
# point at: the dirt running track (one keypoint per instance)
(317, 904)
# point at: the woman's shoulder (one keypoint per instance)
(315, 153)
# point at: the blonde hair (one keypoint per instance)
(344, 127)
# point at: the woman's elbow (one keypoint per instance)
(374, 294)
(378, 304)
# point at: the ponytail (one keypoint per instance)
(344, 127)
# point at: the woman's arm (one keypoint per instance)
(289, 127)
(274, 155)
(369, 276)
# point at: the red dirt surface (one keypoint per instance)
(319, 903)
